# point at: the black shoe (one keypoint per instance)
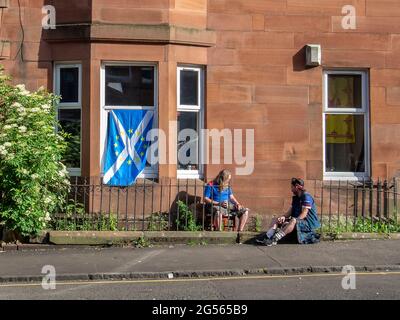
(267, 242)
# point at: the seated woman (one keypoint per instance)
(220, 201)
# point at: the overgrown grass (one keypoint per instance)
(75, 219)
(360, 225)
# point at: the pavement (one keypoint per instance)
(197, 261)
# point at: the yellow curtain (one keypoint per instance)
(341, 92)
(340, 128)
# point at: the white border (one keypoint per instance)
(148, 173)
(69, 105)
(193, 174)
(364, 110)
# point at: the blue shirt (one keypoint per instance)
(306, 200)
(212, 192)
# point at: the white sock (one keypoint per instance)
(270, 233)
(279, 235)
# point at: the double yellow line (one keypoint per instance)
(263, 277)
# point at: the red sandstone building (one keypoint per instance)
(236, 64)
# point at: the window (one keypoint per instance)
(68, 83)
(190, 121)
(346, 125)
(128, 86)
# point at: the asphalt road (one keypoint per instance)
(310, 287)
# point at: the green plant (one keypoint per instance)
(142, 242)
(158, 221)
(338, 225)
(257, 223)
(75, 218)
(33, 180)
(186, 220)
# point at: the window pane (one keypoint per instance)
(188, 141)
(69, 85)
(345, 91)
(129, 86)
(189, 88)
(345, 147)
(70, 121)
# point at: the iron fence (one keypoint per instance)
(178, 205)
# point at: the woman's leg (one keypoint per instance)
(217, 220)
(243, 220)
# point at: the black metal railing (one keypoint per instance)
(358, 206)
(167, 204)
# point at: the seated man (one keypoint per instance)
(302, 216)
(220, 201)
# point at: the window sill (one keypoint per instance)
(189, 174)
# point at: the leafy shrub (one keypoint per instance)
(186, 220)
(366, 225)
(33, 181)
(158, 221)
(75, 218)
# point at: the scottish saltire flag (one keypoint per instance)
(127, 148)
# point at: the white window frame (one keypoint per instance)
(364, 110)
(148, 172)
(199, 108)
(70, 105)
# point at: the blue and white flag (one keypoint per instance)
(127, 147)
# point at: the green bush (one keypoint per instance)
(158, 221)
(186, 220)
(33, 181)
(360, 225)
(75, 218)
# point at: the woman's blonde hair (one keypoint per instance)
(222, 179)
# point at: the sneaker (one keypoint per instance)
(267, 242)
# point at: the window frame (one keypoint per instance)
(148, 172)
(364, 111)
(70, 105)
(199, 108)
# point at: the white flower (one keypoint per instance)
(8, 144)
(47, 217)
(24, 171)
(47, 200)
(46, 107)
(34, 110)
(16, 105)
(22, 129)
(22, 89)
(3, 152)
(21, 109)
(34, 176)
(7, 127)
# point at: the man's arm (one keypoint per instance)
(307, 204)
(304, 213)
(285, 215)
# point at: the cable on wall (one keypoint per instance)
(20, 51)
